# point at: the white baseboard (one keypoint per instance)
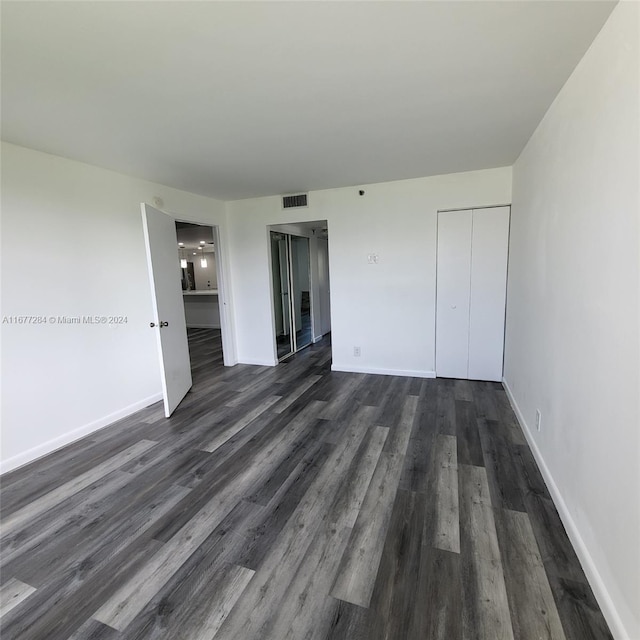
(320, 336)
(260, 363)
(384, 372)
(590, 569)
(50, 446)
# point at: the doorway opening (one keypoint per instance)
(300, 285)
(165, 264)
(200, 296)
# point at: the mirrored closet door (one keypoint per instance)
(290, 267)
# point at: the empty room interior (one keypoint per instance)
(320, 320)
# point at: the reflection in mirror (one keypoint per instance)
(301, 285)
(281, 302)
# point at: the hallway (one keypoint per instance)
(205, 352)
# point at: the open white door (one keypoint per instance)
(166, 292)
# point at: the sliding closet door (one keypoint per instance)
(490, 241)
(281, 302)
(291, 273)
(301, 291)
(453, 293)
(323, 286)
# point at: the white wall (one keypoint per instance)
(322, 302)
(387, 309)
(85, 228)
(572, 347)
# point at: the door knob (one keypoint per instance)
(164, 324)
(152, 324)
(453, 306)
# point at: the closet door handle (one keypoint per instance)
(164, 324)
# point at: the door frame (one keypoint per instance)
(288, 233)
(435, 293)
(229, 353)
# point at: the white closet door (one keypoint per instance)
(453, 293)
(489, 247)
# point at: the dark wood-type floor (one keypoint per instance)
(293, 502)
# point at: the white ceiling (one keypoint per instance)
(242, 99)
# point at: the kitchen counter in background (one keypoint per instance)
(201, 292)
(201, 309)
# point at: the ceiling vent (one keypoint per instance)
(296, 201)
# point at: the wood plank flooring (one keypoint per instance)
(294, 502)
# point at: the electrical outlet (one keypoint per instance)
(538, 419)
(356, 352)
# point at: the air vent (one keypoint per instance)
(290, 202)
